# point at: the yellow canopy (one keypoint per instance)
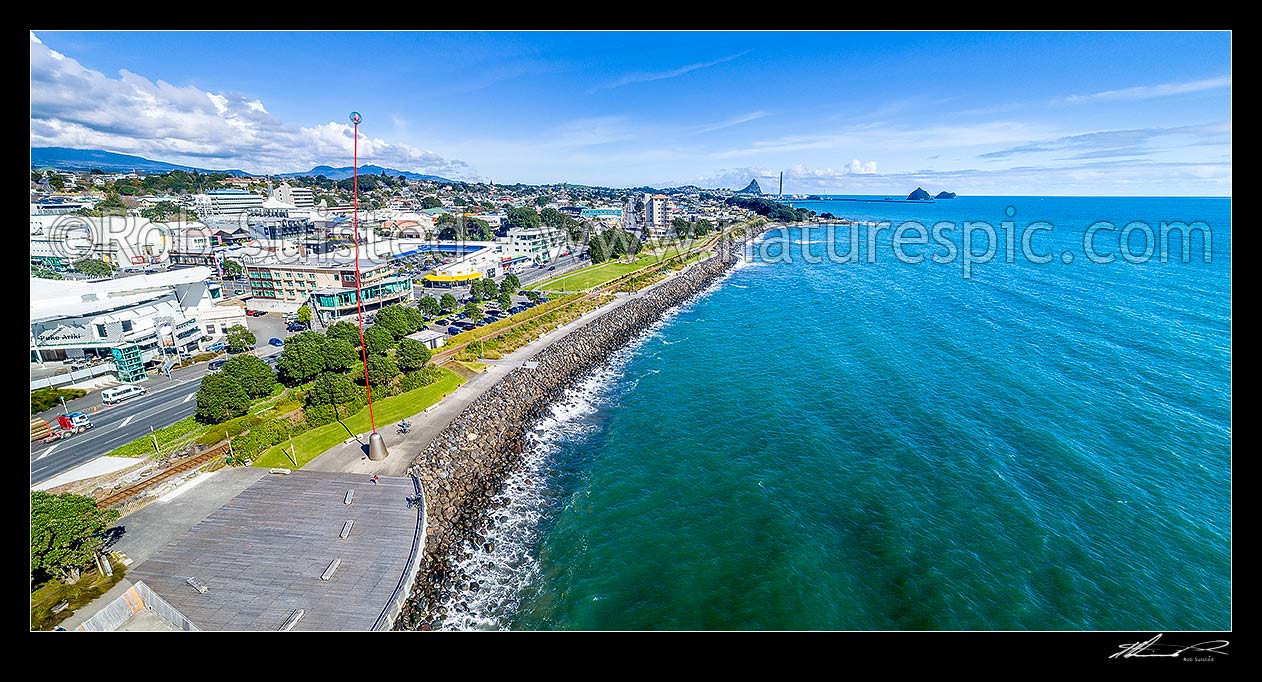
(453, 278)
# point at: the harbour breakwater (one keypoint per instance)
(469, 461)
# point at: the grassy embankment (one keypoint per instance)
(310, 444)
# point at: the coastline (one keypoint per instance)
(468, 462)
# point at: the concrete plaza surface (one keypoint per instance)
(262, 553)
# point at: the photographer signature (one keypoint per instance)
(1152, 649)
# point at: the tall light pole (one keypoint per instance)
(376, 444)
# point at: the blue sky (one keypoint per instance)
(976, 113)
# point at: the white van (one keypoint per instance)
(118, 394)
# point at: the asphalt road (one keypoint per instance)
(167, 401)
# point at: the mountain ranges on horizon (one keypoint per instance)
(68, 159)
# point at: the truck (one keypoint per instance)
(65, 426)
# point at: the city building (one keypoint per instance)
(612, 214)
(118, 240)
(326, 285)
(429, 337)
(225, 202)
(474, 261)
(132, 322)
(299, 197)
(539, 244)
(656, 214)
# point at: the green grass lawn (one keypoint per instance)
(313, 443)
(474, 366)
(594, 275)
(89, 587)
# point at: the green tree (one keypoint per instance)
(378, 340)
(543, 200)
(220, 398)
(474, 312)
(112, 204)
(411, 355)
(682, 228)
(598, 248)
(639, 205)
(166, 211)
(552, 217)
(344, 330)
(36, 176)
(66, 533)
(523, 216)
(331, 389)
(55, 181)
(394, 319)
(431, 202)
(415, 319)
(303, 358)
(340, 355)
(477, 229)
(622, 243)
(381, 369)
(255, 376)
(304, 314)
(240, 338)
(702, 227)
(44, 273)
(94, 267)
(510, 283)
(505, 300)
(232, 268)
(532, 296)
(449, 303)
(429, 306)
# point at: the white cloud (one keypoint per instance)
(73, 106)
(1149, 91)
(663, 75)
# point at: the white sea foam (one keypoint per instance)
(529, 496)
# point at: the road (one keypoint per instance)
(168, 400)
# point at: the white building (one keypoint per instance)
(225, 202)
(656, 214)
(540, 244)
(301, 197)
(133, 321)
(118, 240)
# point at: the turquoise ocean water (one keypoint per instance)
(892, 446)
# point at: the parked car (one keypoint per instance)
(552, 268)
(296, 327)
(275, 342)
(216, 346)
(216, 364)
(117, 394)
(452, 331)
(443, 322)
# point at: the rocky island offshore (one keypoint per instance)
(467, 463)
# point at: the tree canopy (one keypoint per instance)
(220, 398)
(411, 355)
(378, 340)
(256, 376)
(340, 355)
(303, 358)
(66, 533)
(344, 330)
(304, 314)
(240, 338)
(429, 306)
(449, 303)
(94, 267)
(523, 216)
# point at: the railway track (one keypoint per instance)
(188, 464)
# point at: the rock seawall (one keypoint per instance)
(467, 463)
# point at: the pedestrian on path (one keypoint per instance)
(374, 479)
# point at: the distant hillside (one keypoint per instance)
(919, 195)
(64, 158)
(945, 195)
(343, 172)
(751, 188)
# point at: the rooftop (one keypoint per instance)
(261, 555)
